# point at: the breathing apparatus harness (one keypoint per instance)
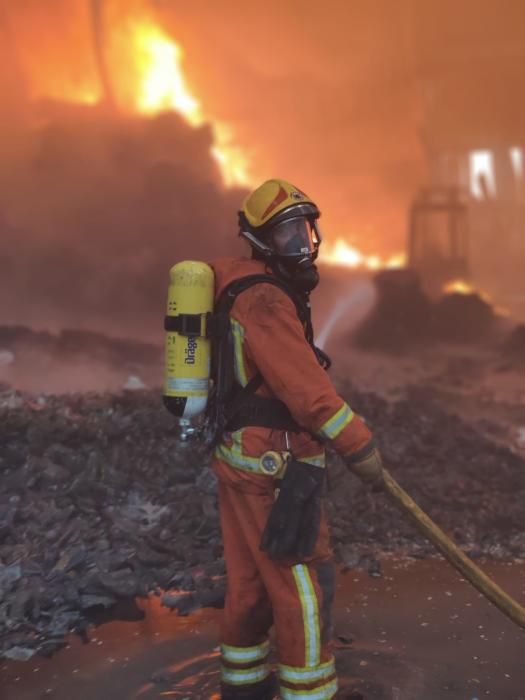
(230, 406)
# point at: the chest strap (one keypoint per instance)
(261, 412)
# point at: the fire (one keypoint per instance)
(161, 86)
(343, 254)
(233, 162)
(143, 72)
(459, 287)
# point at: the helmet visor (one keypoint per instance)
(296, 237)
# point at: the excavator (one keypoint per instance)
(437, 262)
(438, 238)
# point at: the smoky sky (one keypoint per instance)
(350, 98)
(345, 98)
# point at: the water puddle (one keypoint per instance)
(417, 633)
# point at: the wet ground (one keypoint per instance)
(417, 633)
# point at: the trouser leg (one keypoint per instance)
(306, 662)
(301, 594)
(247, 617)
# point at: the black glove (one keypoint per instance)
(309, 526)
(293, 524)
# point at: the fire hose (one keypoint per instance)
(454, 555)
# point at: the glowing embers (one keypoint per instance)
(459, 287)
(345, 254)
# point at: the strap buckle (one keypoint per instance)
(185, 324)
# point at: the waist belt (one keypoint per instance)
(261, 412)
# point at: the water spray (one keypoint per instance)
(359, 300)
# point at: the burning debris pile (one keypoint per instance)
(114, 201)
(111, 167)
(404, 316)
(98, 502)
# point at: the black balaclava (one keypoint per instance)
(302, 274)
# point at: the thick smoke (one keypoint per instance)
(95, 206)
(356, 101)
(96, 209)
(324, 94)
(349, 100)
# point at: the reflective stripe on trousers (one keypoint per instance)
(244, 665)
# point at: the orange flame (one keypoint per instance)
(459, 287)
(146, 76)
(162, 84)
(346, 255)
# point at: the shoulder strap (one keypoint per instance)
(226, 401)
(232, 291)
(222, 309)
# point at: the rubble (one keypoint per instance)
(401, 315)
(459, 317)
(514, 347)
(99, 502)
(405, 317)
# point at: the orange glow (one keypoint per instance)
(82, 94)
(462, 287)
(233, 162)
(459, 287)
(346, 255)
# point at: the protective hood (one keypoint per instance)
(229, 269)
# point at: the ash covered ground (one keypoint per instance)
(99, 503)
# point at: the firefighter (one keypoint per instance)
(270, 459)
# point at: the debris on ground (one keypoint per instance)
(514, 347)
(99, 502)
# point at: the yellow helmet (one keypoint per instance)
(278, 219)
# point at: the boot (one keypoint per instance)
(264, 690)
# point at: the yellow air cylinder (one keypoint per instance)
(187, 367)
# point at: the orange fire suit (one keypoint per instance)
(293, 595)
